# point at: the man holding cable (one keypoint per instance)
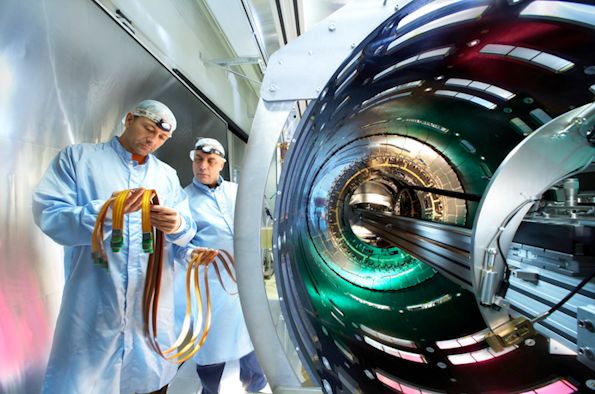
(99, 344)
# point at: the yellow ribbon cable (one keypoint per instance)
(185, 330)
(146, 221)
(117, 240)
(187, 345)
(228, 262)
(97, 251)
(192, 346)
(153, 280)
(184, 344)
(189, 340)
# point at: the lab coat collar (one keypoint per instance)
(123, 153)
(204, 187)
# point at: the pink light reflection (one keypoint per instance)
(389, 382)
(24, 332)
(559, 387)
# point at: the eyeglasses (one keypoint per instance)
(162, 124)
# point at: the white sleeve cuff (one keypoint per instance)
(186, 237)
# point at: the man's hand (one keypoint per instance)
(165, 219)
(133, 201)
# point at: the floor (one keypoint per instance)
(186, 380)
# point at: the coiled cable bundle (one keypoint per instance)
(188, 341)
(117, 239)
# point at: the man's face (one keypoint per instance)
(142, 136)
(206, 167)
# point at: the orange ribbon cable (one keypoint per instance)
(188, 342)
(154, 269)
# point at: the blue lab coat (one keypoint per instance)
(99, 345)
(213, 210)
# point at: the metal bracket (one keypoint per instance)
(527, 276)
(563, 151)
(302, 68)
(510, 333)
(227, 63)
(235, 61)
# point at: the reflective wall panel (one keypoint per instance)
(68, 73)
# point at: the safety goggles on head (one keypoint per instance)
(209, 149)
(206, 149)
(161, 123)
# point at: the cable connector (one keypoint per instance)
(99, 259)
(96, 256)
(510, 333)
(148, 242)
(117, 240)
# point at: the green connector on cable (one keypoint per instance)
(99, 260)
(117, 240)
(148, 242)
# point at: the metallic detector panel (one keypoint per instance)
(403, 140)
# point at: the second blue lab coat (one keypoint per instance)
(213, 213)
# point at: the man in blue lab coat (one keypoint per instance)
(227, 348)
(99, 344)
